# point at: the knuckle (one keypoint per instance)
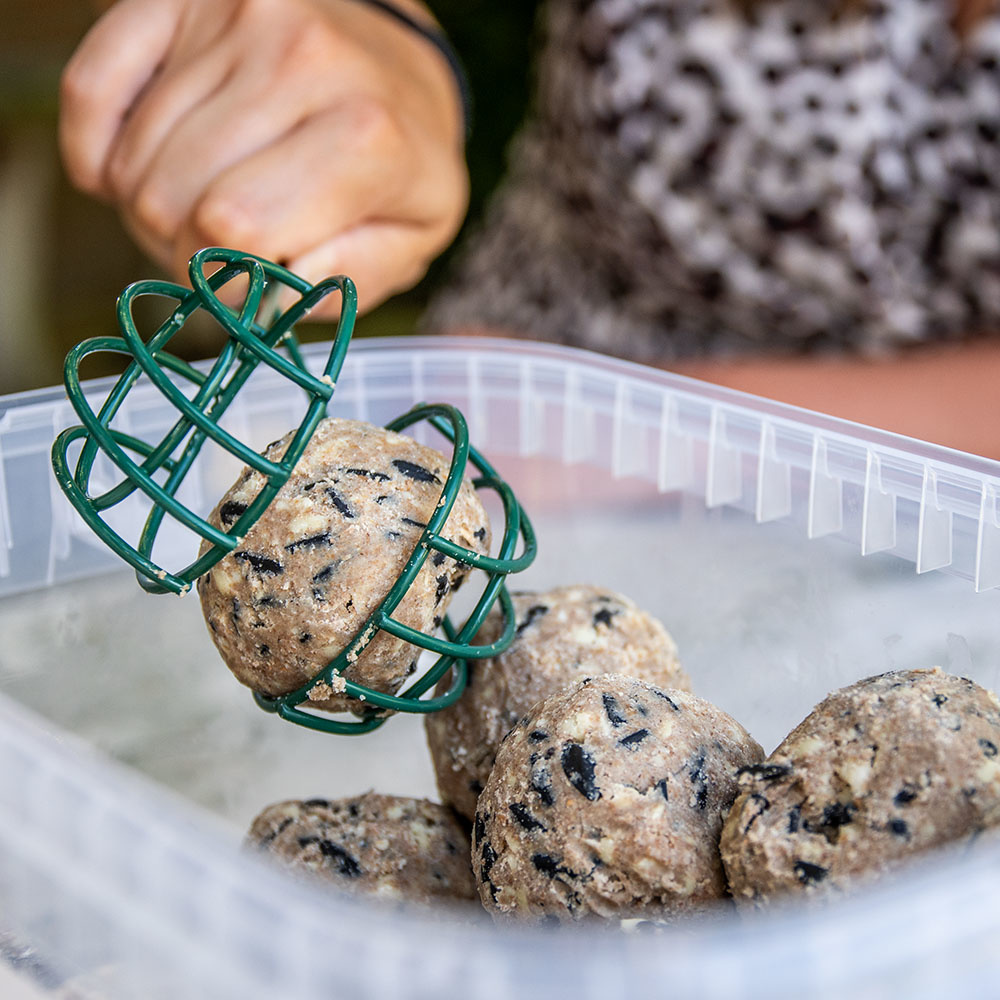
(117, 173)
(311, 47)
(307, 42)
(151, 210)
(74, 85)
(224, 220)
(372, 124)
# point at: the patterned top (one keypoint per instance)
(701, 178)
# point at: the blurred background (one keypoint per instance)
(64, 258)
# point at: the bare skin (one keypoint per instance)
(325, 135)
(943, 393)
(320, 133)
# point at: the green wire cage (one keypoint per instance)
(256, 333)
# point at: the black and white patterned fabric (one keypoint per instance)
(699, 177)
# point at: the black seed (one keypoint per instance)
(835, 815)
(899, 827)
(578, 766)
(438, 558)
(523, 817)
(264, 649)
(283, 825)
(380, 500)
(316, 804)
(231, 511)
(412, 523)
(613, 710)
(541, 784)
(235, 615)
(633, 740)
(478, 828)
(353, 810)
(538, 736)
(905, 795)
(808, 873)
(603, 617)
(535, 611)
(839, 814)
(392, 535)
(349, 606)
(698, 778)
(339, 502)
(762, 805)
(269, 601)
(662, 785)
(411, 669)
(794, 817)
(312, 542)
(413, 471)
(939, 699)
(305, 637)
(443, 587)
(989, 748)
(767, 772)
(262, 564)
(547, 865)
(437, 620)
(480, 533)
(665, 697)
(378, 477)
(326, 572)
(346, 864)
(489, 859)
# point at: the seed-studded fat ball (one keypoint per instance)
(877, 772)
(561, 636)
(607, 800)
(382, 845)
(324, 554)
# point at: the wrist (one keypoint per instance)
(417, 19)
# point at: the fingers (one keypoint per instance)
(336, 169)
(166, 103)
(101, 82)
(271, 126)
(381, 258)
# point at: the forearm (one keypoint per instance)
(947, 394)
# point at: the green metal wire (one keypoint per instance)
(457, 648)
(249, 343)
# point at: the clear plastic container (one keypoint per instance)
(788, 553)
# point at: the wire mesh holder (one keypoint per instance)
(158, 470)
(456, 648)
(249, 343)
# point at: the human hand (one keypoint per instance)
(321, 134)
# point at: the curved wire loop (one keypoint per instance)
(157, 470)
(456, 648)
(249, 343)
